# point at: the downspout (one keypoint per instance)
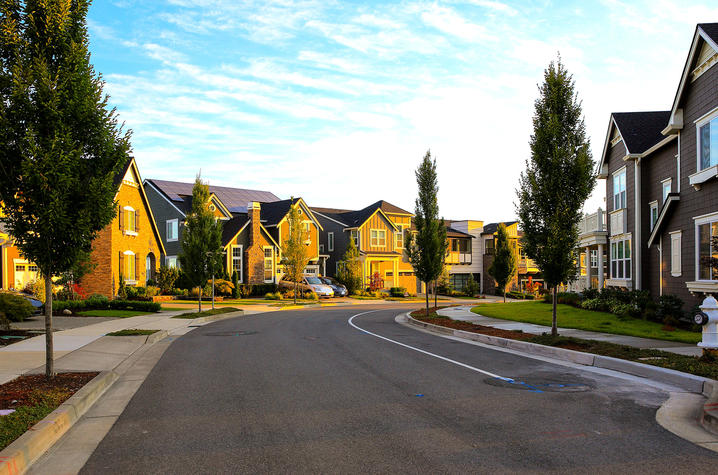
(660, 265)
(678, 164)
(637, 225)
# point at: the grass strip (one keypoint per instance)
(207, 313)
(112, 313)
(132, 332)
(539, 313)
(16, 424)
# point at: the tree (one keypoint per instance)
(201, 240)
(349, 272)
(558, 179)
(427, 247)
(294, 251)
(60, 143)
(504, 267)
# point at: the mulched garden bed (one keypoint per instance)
(20, 391)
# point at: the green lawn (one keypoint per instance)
(206, 313)
(112, 313)
(539, 313)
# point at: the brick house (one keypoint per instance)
(661, 171)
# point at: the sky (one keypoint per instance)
(338, 101)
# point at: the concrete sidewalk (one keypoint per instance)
(464, 313)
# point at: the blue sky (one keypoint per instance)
(338, 101)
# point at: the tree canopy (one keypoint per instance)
(504, 267)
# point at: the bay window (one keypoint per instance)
(621, 259)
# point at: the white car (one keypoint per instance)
(319, 287)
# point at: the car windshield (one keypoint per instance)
(326, 280)
(313, 280)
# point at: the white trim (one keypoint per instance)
(676, 267)
(146, 182)
(621, 171)
(699, 221)
(241, 259)
(176, 261)
(330, 219)
(330, 241)
(264, 261)
(636, 251)
(653, 205)
(371, 238)
(658, 145)
(167, 222)
(700, 122)
(664, 195)
(678, 164)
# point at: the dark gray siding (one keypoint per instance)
(615, 163)
(341, 241)
(163, 211)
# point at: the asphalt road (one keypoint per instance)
(305, 392)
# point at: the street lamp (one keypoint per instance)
(211, 255)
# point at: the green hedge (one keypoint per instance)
(96, 303)
(14, 307)
(519, 295)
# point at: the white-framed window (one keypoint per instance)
(665, 189)
(268, 264)
(128, 266)
(619, 189)
(399, 241)
(307, 227)
(653, 213)
(706, 229)
(354, 235)
(172, 229)
(171, 261)
(378, 238)
(594, 258)
(707, 137)
(236, 254)
(675, 253)
(621, 259)
(330, 242)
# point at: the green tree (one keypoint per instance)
(60, 144)
(349, 272)
(295, 255)
(558, 179)
(201, 240)
(504, 266)
(426, 248)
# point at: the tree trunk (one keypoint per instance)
(554, 328)
(199, 300)
(435, 291)
(49, 356)
(296, 289)
(427, 297)
(504, 292)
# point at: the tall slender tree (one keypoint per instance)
(60, 142)
(350, 268)
(201, 240)
(427, 247)
(295, 255)
(504, 267)
(558, 179)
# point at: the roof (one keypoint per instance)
(232, 227)
(710, 29)
(451, 232)
(120, 175)
(391, 209)
(330, 210)
(235, 199)
(641, 130)
(272, 213)
(491, 228)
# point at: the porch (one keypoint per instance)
(593, 247)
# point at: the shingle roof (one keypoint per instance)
(272, 213)
(641, 130)
(232, 198)
(390, 208)
(710, 29)
(491, 228)
(330, 210)
(451, 232)
(232, 227)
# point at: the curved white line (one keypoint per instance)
(463, 365)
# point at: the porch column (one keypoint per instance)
(588, 267)
(600, 266)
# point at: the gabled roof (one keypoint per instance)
(274, 213)
(491, 228)
(455, 233)
(232, 227)
(663, 215)
(641, 130)
(392, 209)
(234, 199)
(705, 32)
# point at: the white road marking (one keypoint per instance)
(458, 363)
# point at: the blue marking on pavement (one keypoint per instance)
(419, 395)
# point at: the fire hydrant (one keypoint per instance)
(708, 317)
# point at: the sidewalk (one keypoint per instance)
(464, 313)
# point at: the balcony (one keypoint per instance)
(458, 258)
(592, 229)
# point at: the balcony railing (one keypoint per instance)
(594, 222)
(458, 258)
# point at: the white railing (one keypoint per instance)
(594, 222)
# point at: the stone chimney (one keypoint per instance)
(253, 212)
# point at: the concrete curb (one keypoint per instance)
(17, 457)
(156, 336)
(709, 417)
(685, 381)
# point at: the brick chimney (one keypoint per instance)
(253, 212)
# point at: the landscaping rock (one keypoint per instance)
(67, 311)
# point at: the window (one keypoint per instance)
(32, 268)
(19, 268)
(706, 231)
(172, 229)
(490, 246)
(619, 189)
(171, 261)
(454, 245)
(399, 239)
(621, 259)
(708, 142)
(653, 214)
(237, 261)
(268, 264)
(665, 189)
(321, 248)
(307, 228)
(378, 238)
(128, 266)
(129, 220)
(594, 258)
(330, 241)
(355, 237)
(676, 254)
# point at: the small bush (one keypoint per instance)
(472, 287)
(223, 287)
(151, 291)
(567, 298)
(309, 295)
(273, 296)
(15, 308)
(166, 278)
(590, 294)
(397, 291)
(595, 304)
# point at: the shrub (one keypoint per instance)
(472, 287)
(514, 294)
(669, 306)
(235, 283)
(591, 294)
(15, 308)
(96, 301)
(151, 291)
(166, 279)
(273, 296)
(397, 291)
(309, 295)
(223, 287)
(567, 298)
(595, 304)
(102, 303)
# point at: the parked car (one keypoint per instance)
(308, 284)
(337, 287)
(36, 304)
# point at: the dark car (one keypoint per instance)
(338, 287)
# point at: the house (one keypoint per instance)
(592, 249)
(661, 171)
(527, 271)
(171, 201)
(464, 258)
(379, 232)
(15, 271)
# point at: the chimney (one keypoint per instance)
(253, 212)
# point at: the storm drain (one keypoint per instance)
(539, 386)
(230, 333)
